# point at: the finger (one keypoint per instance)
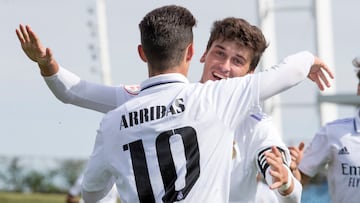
(293, 150)
(324, 79)
(32, 36)
(24, 33)
(275, 164)
(275, 174)
(318, 82)
(277, 182)
(276, 156)
(275, 151)
(270, 155)
(294, 156)
(301, 146)
(328, 71)
(49, 52)
(275, 185)
(20, 36)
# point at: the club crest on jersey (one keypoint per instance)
(151, 113)
(132, 89)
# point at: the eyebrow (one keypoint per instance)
(223, 48)
(219, 46)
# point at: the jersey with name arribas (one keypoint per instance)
(173, 142)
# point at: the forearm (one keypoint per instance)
(70, 89)
(305, 179)
(291, 71)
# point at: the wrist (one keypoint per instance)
(285, 187)
(49, 68)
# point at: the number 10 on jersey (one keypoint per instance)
(166, 164)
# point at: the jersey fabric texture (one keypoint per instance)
(173, 142)
(75, 190)
(336, 145)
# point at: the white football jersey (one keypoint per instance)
(336, 145)
(173, 142)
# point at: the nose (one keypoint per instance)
(225, 66)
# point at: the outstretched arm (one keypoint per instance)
(65, 85)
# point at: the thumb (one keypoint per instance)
(301, 146)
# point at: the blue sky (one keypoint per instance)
(35, 123)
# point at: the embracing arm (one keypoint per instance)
(291, 71)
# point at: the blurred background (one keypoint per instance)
(42, 134)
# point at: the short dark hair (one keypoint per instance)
(165, 34)
(241, 32)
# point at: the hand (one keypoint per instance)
(31, 45)
(317, 75)
(278, 170)
(296, 155)
(71, 199)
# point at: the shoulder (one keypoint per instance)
(337, 128)
(341, 123)
(131, 89)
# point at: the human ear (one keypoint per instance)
(141, 53)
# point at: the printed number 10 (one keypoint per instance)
(167, 166)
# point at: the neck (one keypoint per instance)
(178, 69)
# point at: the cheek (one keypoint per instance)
(238, 72)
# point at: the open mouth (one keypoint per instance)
(217, 76)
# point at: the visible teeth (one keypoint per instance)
(219, 76)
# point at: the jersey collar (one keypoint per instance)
(163, 79)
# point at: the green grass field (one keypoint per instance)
(31, 198)
(6, 197)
